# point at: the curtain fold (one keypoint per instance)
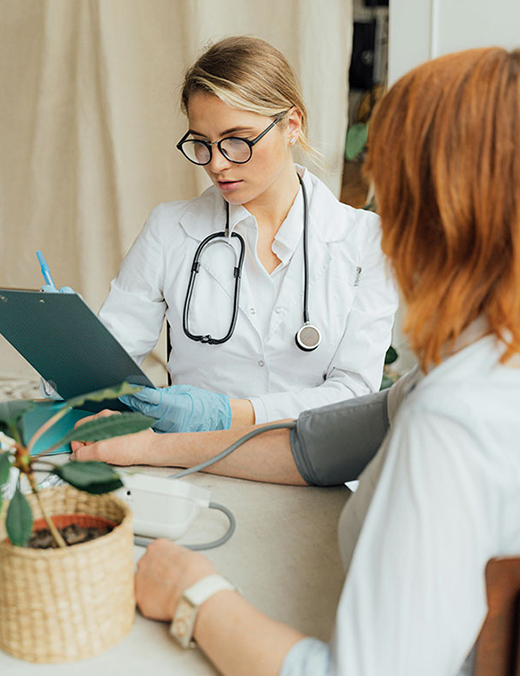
(90, 116)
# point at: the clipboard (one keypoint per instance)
(67, 344)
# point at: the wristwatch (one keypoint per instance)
(192, 598)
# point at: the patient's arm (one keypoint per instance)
(267, 457)
(328, 446)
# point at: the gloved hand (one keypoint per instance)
(182, 408)
(48, 288)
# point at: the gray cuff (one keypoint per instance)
(334, 444)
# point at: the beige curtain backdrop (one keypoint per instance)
(89, 118)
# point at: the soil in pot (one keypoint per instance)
(72, 534)
(74, 529)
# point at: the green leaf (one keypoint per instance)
(11, 413)
(19, 519)
(110, 426)
(108, 393)
(386, 382)
(5, 466)
(357, 136)
(91, 477)
(391, 355)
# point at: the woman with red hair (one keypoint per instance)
(442, 495)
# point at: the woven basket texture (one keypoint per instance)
(61, 605)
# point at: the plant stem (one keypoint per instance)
(54, 531)
(43, 462)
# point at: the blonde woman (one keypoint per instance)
(291, 306)
(442, 495)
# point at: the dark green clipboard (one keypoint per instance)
(60, 336)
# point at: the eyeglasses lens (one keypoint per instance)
(196, 152)
(235, 149)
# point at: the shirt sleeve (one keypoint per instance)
(356, 368)
(134, 309)
(308, 657)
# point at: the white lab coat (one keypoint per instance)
(352, 299)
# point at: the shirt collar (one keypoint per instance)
(290, 232)
(213, 204)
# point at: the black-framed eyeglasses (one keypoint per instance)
(234, 149)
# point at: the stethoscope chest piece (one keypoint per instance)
(308, 337)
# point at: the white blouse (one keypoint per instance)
(441, 497)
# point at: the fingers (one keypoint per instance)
(129, 449)
(76, 445)
(147, 396)
(84, 452)
(163, 573)
(79, 448)
(156, 581)
(100, 451)
(102, 414)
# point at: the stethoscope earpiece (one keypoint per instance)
(308, 337)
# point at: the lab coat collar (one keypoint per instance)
(328, 222)
(206, 214)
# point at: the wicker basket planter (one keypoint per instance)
(61, 605)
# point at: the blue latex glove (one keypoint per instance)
(48, 288)
(182, 408)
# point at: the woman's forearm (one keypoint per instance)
(267, 457)
(241, 641)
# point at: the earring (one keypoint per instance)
(292, 140)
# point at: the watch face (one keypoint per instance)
(182, 625)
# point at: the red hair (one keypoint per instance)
(444, 156)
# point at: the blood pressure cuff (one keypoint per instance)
(334, 444)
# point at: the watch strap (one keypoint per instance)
(192, 598)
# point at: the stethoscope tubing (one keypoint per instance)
(305, 257)
(237, 272)
(206, 338)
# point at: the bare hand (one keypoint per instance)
(129, 449)
(163, 573)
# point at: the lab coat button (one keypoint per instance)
(252, 311)
(278, 310)
(260, 363)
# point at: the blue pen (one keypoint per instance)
(45, 270)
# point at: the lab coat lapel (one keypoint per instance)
(319, 256)
(292, 289)
(207, 215)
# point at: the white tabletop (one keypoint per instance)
(283, 556)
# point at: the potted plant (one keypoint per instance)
(69, 602)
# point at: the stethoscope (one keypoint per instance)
(307, 338)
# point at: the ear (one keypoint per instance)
(293, 125)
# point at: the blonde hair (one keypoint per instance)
(444, 156)
(248, 74)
